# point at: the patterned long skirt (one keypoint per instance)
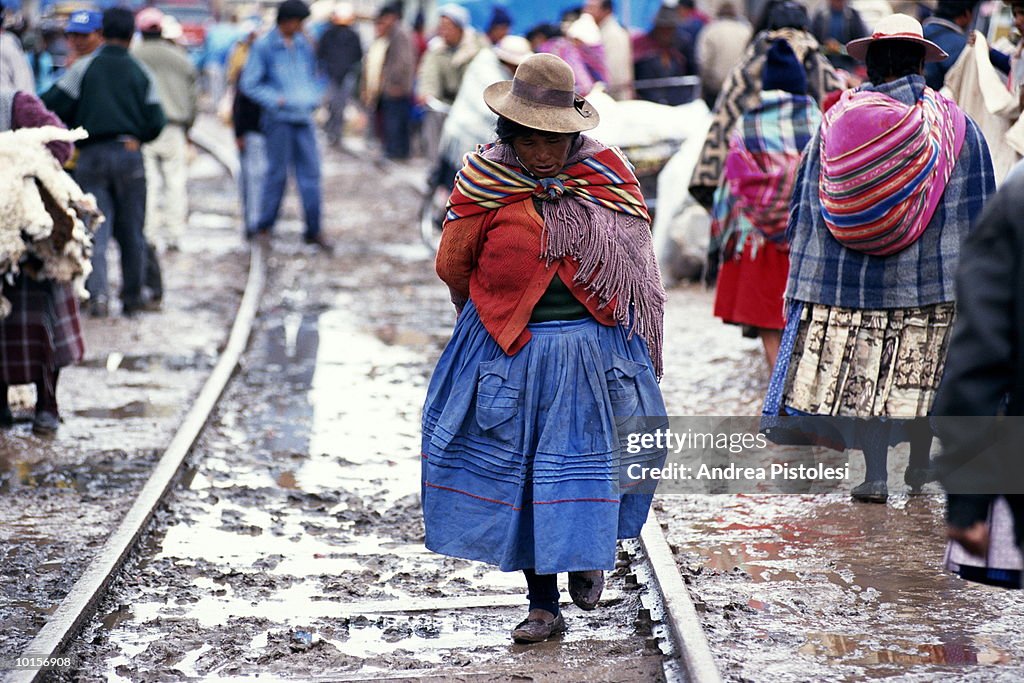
(42, 333)
(851, 364)
(521, 454)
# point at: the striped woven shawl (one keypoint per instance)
(604, 179)
(884, 167)
(594, 213)
(760, 171)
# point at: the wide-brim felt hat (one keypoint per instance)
(542, 96)
(897, 27)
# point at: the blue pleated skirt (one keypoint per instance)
(521, 454)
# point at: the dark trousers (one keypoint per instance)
(393, 118)
(117, 178)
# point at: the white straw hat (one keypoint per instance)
(897, 27)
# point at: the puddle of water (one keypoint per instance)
(130, 410)
(148, 362)
(866, 651)
(850, 588)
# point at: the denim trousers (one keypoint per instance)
(116, 176)
(292, 145)
(253, 167)
(338, 95)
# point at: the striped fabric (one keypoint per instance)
(604, 179)
(760, 171)
(884, 167)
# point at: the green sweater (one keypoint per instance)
(110, 95)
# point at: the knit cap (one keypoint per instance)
(782, 70)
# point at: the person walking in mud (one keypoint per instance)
(280, 76)
(41, 333)
(547, 254)
(748, 227)
(887, 194)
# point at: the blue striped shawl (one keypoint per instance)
(822, 271)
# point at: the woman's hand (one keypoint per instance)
(974, 538)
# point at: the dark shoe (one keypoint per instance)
(319, 242)
(260, 238)
(585, 588)
(538, 627)
(99, 307)
(917, 477)
(6, 418)
(45, 423)
(871, 492)
(131, 309)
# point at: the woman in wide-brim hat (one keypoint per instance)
(547, 253)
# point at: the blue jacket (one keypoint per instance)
(952, 39)
(283, 79)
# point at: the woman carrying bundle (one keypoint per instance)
(748, 226)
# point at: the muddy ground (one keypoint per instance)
(61, 497)
(295, 550)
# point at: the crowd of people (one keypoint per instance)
(846, 170)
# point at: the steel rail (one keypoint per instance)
(81, 601)
(691, 659)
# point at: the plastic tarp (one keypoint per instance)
(528, 13)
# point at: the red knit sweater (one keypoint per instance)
(493, 259)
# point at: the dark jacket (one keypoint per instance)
(853, 28)
(245, 115)
(110, 95)
(339, 52)
(984, 374)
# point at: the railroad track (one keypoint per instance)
(645, 595)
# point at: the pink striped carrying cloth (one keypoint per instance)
(884, 167)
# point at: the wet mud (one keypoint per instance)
(818, 587)
(61, 497)
(293, 549)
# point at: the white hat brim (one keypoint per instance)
(858, 49)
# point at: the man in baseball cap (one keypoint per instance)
(84, 33)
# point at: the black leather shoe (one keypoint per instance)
(538, 627)
(917, 477)
(320, 243)
(871, 492)
(585, 588)
(45, 423)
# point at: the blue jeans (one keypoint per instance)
(394, 119)
(117, 178)
(253, 166)
(291, 144)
